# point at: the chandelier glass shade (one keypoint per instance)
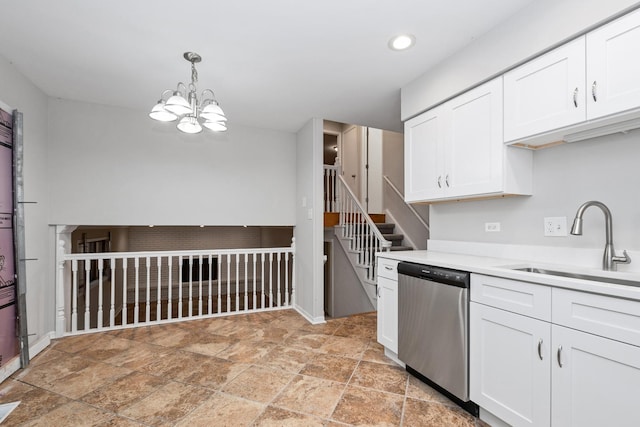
(183, 104)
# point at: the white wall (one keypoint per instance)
(309, 222)
(113, 166)
(19, 93)
(538, 27)
(604, 169)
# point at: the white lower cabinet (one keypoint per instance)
(598, 383)
(536, 370)
(387, 287)
(388, 313)
(510, 365)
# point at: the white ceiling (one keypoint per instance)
(272, 64)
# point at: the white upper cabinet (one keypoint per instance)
(546, 93)
(588, 87)
(473, 146)
(613, 67)
(422, 152)
(456, 150)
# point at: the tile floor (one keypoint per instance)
(262, 369)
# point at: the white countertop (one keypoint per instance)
(502, 267)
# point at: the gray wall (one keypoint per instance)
(113, 166)
(538, 27)
(19, 93)
(309, 222)
(604, 169)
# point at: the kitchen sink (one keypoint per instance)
(605, 279)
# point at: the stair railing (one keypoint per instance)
(330, 193)
(364, 236)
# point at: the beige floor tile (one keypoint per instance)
(72, 414)
(77, 384)
(208, 344)
(307, 340)
(246, 351)
(276, 417)
(262, 369)
(124, 391)
(359, 329)
(375, 353)
(432, 414)
(72, 377)
(290, 359)
(167, 404)
(223, 410)
(195, 369)
(343, 346)
(48, 355)
(328, 328)
(389, 378)
(106, 347)
(34, 402)
(140, 354)
(258, 383)
(75, 343)
(121, 422)
(330, 367)
(310, 395)
(362, 406)
(45, 374)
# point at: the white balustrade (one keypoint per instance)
(330, 192)
(117, 290)
(364, 236)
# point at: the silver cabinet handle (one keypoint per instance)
(594, 88)
(540, 348)
(378, 291)
(560, 356)
(446, 180)
(575, 97)
(440, 181)
(388, 268)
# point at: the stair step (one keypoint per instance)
(393, 237)
(386, 227)
(401, 248)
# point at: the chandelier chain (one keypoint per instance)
(194, 74)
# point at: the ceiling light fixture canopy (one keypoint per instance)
(183, 104)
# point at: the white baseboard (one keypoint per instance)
(313, 320)
(14, 364)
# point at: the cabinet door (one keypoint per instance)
(422, 156)
(510, 373)
(546, 93)
(598, 382)
(613, 67)
(474, 145)
(388, 313)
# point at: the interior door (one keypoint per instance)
(351, 152)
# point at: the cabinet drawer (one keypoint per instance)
(523, 298)
(610, 317)
(388, 268)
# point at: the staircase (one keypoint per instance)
(387, 229)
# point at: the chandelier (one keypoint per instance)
(193, 113)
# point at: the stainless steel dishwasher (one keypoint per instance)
(433, 328)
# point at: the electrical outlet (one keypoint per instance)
(491, 226)
(555, 226)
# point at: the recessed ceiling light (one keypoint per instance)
(402, 42)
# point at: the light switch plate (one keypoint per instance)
(555, 226)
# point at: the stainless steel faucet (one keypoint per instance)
(609, 261)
